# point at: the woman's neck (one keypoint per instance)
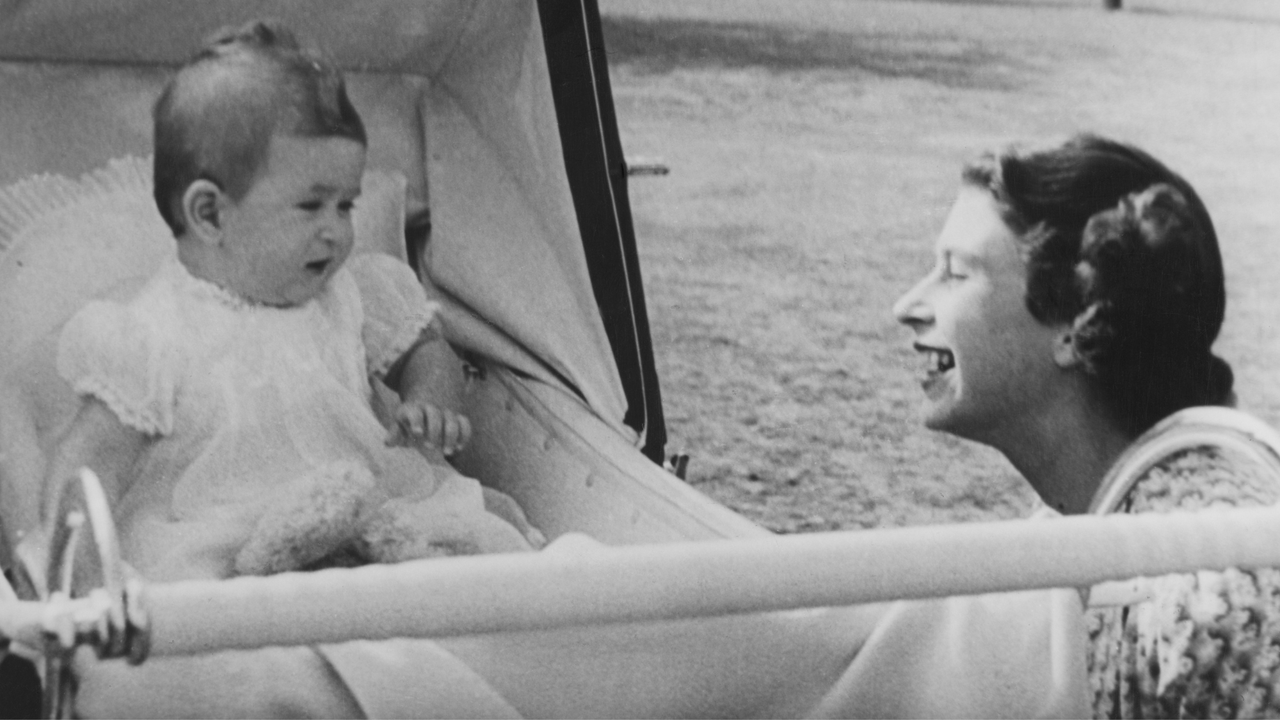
(1066, 454)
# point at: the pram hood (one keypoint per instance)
(457, 96)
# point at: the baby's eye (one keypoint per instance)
(346, 206)
(310, 205)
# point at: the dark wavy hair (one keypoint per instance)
(216, 116)
(1122, 248)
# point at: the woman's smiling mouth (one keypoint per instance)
(941, 361)
(938, 360)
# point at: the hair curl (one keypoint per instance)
(1122, 249)
(216, 116)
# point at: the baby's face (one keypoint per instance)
(292, 231)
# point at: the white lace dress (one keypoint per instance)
(245, 403)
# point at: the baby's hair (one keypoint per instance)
(1122, 249)
(215, 118)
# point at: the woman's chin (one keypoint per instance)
(933, 417)
(940, 415)
(938, 405)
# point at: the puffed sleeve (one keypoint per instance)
(111, 353)
(397, 313)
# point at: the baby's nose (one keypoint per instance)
(337, 231)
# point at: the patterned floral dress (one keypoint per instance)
(1206, 644)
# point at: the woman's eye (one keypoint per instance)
(346, 206)
(310, 205)
(951, 272)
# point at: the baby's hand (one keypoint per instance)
(421, 422)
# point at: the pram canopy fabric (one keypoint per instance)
(459, 100)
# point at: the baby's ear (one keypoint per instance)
(202, 206)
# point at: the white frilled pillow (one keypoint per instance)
(66, 241)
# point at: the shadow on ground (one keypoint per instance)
(662, 45)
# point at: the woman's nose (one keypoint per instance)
(912, 308)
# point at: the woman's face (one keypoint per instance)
(989, 363)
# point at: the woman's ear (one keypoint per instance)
(1064, 349)
(202, 206)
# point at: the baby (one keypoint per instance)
(229, 407)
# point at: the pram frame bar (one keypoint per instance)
(591, 585)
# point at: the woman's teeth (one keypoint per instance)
(941, 360)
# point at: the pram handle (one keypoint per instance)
(495, 593)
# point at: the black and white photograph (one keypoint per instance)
(639, 358)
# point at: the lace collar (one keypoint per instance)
(202, 289)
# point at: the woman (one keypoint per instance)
(1075, 298)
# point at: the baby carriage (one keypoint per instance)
(497, 173)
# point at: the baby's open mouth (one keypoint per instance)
(318, 266)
